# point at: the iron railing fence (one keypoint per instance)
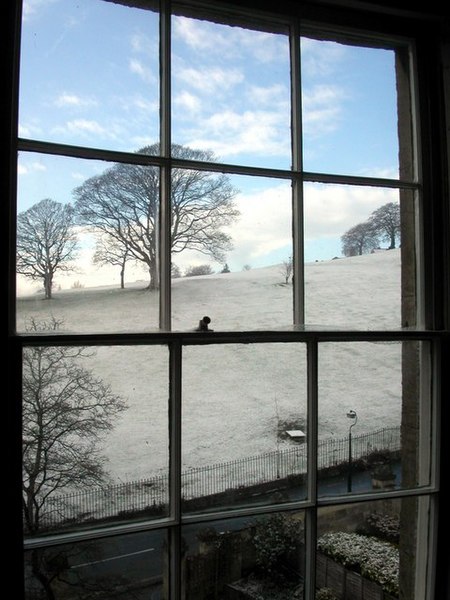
(153, 493)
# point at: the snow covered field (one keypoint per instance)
(237, 396)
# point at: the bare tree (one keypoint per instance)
(286, 269)
(46, 241)
(66, 411)
(108, 251)
(360, 239)
(123, 203)
(386, 222)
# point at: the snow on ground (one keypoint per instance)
(235, 395)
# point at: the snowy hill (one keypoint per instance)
(235, 396)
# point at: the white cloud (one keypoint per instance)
(78, 176)
(144, 104)
(209, 80)
(142, 71)
(382, 172)
(74, 100)
(272, 95)
(330, 210)
(29, 130)
(143, 44)
(266, 47)
(230, 42)
(88, 127)
(186, 101)
(230, 133)
(322, 109)
(324, 94)
(262, 229)
(264, 225)
(32, 7)
(320, 58)
(321, 121)
(195, 34)
(33, 167)
(138, 103)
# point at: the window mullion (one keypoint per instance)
(297, 188)
(312, 433)
(164, 245)
(175, 375)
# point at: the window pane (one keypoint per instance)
(370, 549)
(231, 92)
(95, 435)
(97, 225)
(353, 256)
(75, 90)
(374, 416)
(235, 233)
(244, 417)
(124, 566)
(349, 106)
(249, 557)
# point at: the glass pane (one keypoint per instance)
(231, 251)
(128, 567)
(97, 225)
(75, 90)
(353, 257)
(369, 550)
(231, 92)
(247, 557)
(349, 107)
(374, 416)
(95, 435)
(244, 418)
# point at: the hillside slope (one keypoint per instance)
(236, 396)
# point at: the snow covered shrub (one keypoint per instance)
(374, 559)
(381, 566)
(194, 271)
(384, 527)
(275, 538)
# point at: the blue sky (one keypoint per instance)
(89, 76)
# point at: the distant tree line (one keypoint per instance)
(121, 208)
(383, 225)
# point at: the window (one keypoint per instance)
(228, 355)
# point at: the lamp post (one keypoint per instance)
(354, 417)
